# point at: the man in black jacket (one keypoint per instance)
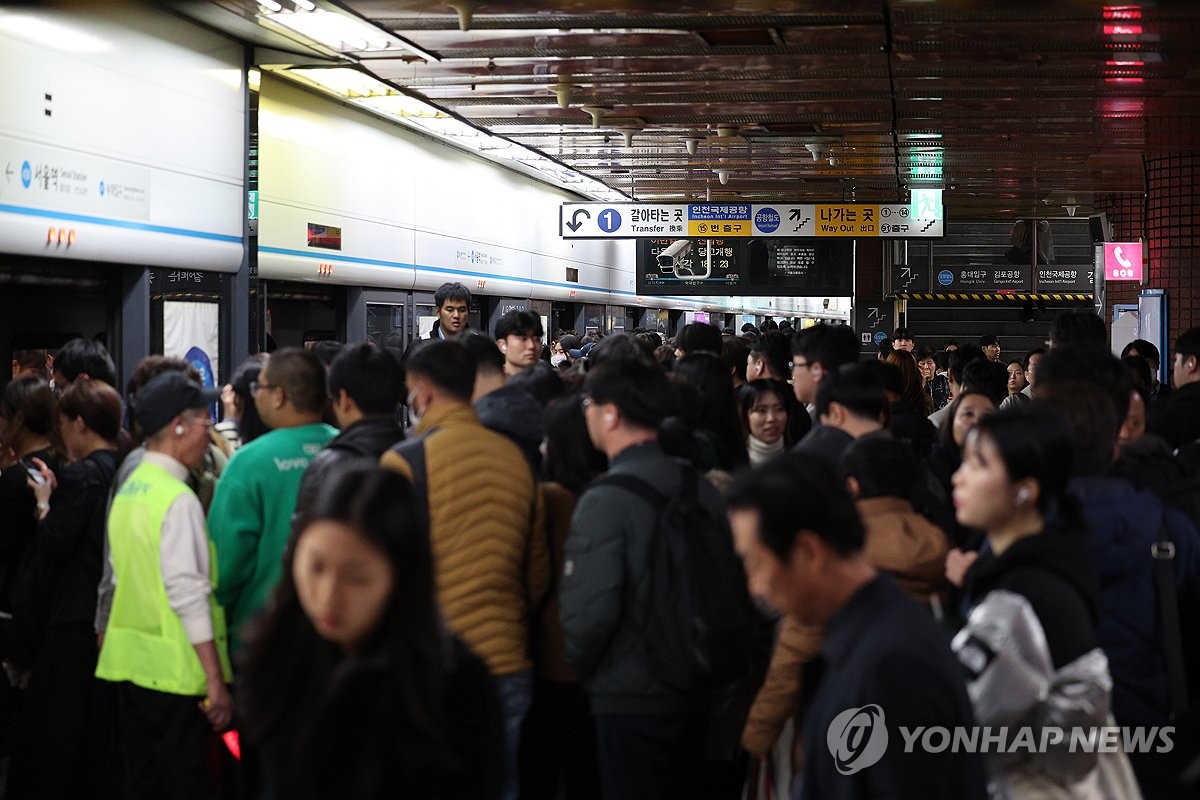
(1179, 421)
(504, 407)
(366, 384)
(649, 742)
(453, 304)
(884, 665)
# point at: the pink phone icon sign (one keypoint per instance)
(1123, 261)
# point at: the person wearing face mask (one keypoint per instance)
(486, 523)
(165, 642)
(561, 357)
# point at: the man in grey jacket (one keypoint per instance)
(649, 741)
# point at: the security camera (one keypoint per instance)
(670, 261)
(677, 250)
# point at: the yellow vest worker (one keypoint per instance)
(165, 641)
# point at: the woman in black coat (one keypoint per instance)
(351, 685)
(64, 739)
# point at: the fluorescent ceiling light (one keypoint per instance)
(40, 29)
(345, 82)
(374, 95)
(402, 105)
(337, 31)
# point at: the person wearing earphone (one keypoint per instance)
(164, 644)
(1030, 649)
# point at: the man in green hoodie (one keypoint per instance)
(251, 514)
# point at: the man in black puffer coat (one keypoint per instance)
(366, 384)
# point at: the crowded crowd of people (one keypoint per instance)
(716, 565)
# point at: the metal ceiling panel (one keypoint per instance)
(1001, 105)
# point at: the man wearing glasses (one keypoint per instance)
(251, 514)
(817, 352)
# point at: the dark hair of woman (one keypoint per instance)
(945, 434)
(717, 412)
(752, 392)
(1034, 442)
(294, 679)
(98, 404)
(913, 395)
(571, 458)
(250, 424)
(29, 408)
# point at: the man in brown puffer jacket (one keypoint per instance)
(486, 524)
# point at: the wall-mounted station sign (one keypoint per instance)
(920, 219)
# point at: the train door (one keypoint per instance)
(300, 314)
(45, 303)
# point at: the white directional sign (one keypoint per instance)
(702, 220)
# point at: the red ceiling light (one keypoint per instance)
(1123, 12)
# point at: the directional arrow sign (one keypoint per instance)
(742, 220)
(8, 172)
(575, 224)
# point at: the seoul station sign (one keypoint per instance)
(920, 219)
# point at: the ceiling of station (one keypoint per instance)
(1009, 108)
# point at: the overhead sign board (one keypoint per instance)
(1065, 278)
(1123, 261)
(746, 220)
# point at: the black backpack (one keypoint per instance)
(698, 616)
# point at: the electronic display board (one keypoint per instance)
(746, 267)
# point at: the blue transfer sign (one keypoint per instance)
(767, 220)
(879, 337)
(945, 277)
(26, 174)
(609, 220)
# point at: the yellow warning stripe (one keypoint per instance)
(1011, 297)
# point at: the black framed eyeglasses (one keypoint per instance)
(255, 386)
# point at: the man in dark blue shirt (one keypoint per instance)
(885, 670)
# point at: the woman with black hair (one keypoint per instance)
(240, 423)
(717, 429)
(351, 684)
(1030, 648)
(764, 413)
(64, 739)
(28, 413)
